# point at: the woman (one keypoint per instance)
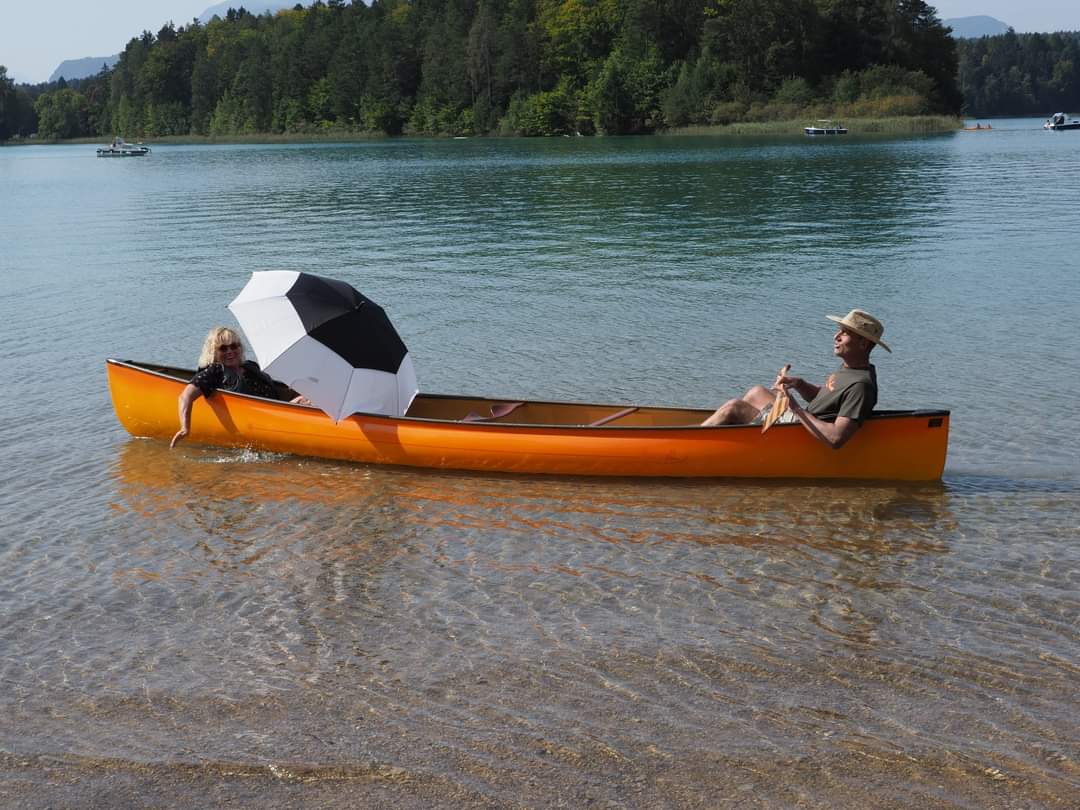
(222, 365)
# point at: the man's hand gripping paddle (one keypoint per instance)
(780, 404)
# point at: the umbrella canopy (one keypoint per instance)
(327, 341)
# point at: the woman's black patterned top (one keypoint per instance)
(254, 381)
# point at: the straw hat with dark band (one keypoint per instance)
(863, 324)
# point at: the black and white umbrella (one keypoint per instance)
(327, 341)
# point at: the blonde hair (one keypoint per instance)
(218, 336)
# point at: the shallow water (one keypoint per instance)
(204, 627)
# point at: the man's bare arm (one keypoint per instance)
(834, 434)
(805, 389)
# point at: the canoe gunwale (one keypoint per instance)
(155, 370)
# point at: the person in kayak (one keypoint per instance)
(222, 366)
(838, 407)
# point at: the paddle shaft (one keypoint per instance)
(780, 404)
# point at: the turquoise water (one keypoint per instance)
(201, 626)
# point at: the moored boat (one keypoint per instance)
(826, 126)
(472, 433)
(121, 148)
(1058, 122)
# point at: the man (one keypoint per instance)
(838, 407)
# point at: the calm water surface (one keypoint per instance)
(204, 627)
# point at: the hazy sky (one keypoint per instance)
(37, 35)
(1033, 15)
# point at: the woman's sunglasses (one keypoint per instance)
(224, 347)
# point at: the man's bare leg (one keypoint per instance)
(742, 411)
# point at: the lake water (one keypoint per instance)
(205, 627)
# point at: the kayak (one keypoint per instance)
(558, 438)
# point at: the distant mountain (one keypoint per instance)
(975, 27)
(81, 68)
(255, 7)
(91, 65)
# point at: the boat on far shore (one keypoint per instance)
(1058, 122)
(979, 128)
(121, 148)
(826, 126)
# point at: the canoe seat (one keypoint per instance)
(612, 417)
(497, 412)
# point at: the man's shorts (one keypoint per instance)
(786, 418)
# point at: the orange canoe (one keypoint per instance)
(470, 433)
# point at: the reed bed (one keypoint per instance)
(898, 125)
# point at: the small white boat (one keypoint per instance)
(1058, 122)
(121, 148)
(826, 126)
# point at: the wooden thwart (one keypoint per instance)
(612, 417)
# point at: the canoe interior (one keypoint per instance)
(451, 408)
(454, 408)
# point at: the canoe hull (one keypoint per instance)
(123, 151)
(911, 446)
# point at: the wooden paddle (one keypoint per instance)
(780, 404)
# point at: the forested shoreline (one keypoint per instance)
(546, 67)
(1020, 74)
(520, 67)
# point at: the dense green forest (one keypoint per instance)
(17, 115)
(1020, 74)
(526, 67)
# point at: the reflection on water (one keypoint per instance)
(835, 514)
(479, 637)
